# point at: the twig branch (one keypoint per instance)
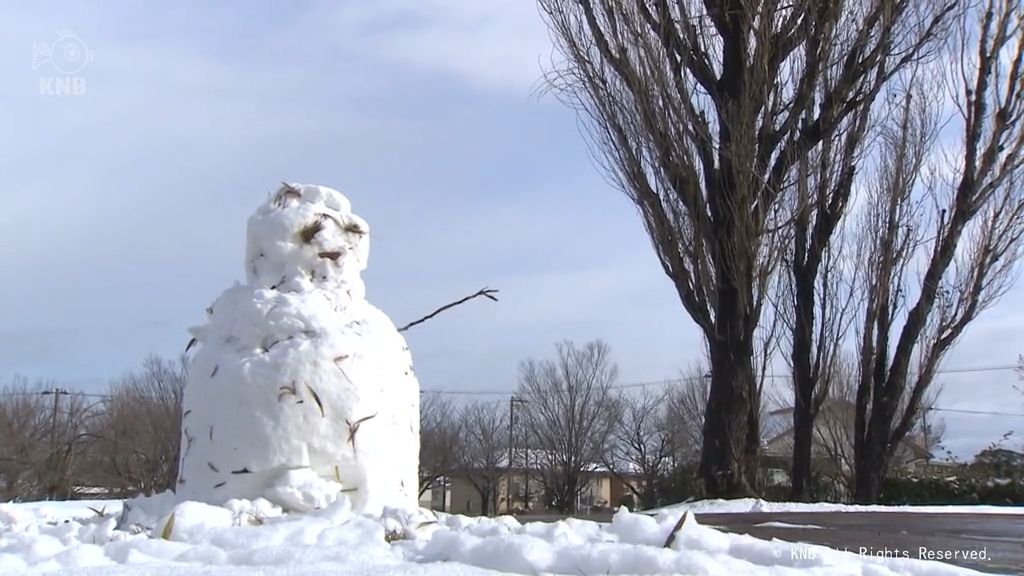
(485, 292)
(675, 529)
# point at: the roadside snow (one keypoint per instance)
(257, 537)
(746, 505)
(787, 525)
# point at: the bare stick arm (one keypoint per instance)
(485, 292)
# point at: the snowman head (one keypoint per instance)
(306, 236)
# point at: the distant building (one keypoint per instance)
(603, 490)
(832, 446)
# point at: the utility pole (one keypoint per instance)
(508, 464)
(927, 433)
(526, 470)
(54, 468)
(512, 401)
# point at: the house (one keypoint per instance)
(1001, 462)
(832, 446)
(603, 490)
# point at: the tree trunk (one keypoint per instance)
(728, 456)
(803, 436)
(870, 472)
(650, 496)
(873, 457)
(571, 493)
(804, 381)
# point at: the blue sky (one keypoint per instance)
(124, 207)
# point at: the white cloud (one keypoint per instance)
(491, 45)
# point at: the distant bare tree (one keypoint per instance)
(44, 431)
(834, 424)
(25, 430)
(960, 222)
(931, 429)
(1019, 386)
(439, 439)
(482, 450)
(700, 111)
(71, 440)
(641, 444)
(686, 403)
(570, 410)
(137, 436)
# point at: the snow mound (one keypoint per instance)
(788, 525)
(258, 537)
(300, 387)
(745, 505)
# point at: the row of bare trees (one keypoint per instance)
(568, 420)
(59, 444)
(852, 170)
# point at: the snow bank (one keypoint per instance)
(300, 387)
(635, 544)
(13, 513)
(788, 525)
(745, 505)
(259, 537)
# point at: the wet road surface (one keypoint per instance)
(998, 537)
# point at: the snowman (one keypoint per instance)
(301, 391)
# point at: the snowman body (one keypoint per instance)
(297, 372)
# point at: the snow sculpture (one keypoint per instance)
(301, 389)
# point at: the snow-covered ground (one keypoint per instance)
(745, 505)
(158, 537)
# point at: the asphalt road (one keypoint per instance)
(900, 534)
(999, 537)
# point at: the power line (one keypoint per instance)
(979, 412)
(621, 386)
(669, 381)
(979, 369)
(626, 385)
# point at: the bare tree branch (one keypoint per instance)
(485, 292)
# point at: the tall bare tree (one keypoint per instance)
(482, 450)
(818, 293)
(959, 220)
(570, 410)
(439, 439)
(700, 111)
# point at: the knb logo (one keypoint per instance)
(68, 56)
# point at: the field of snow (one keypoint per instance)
(745, 505)
(155, 536)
